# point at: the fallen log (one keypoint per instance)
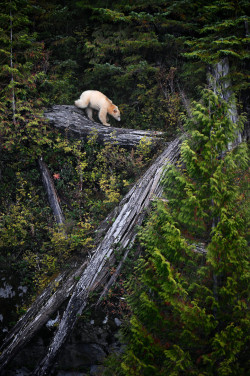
(73, 121)
(47, 303)
(51, 192)
(38, 314)
(122, 233)
(129, 213)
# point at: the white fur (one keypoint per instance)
(95, 100)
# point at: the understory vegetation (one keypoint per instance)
(186, 311)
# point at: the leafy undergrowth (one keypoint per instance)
(90, 180)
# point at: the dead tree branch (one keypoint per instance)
(51, 192)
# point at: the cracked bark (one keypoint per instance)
(74, 123)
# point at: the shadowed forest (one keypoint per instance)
(179, 69)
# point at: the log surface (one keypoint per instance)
(47, 303)
(51, 192)
(38, 314)
(73, 121)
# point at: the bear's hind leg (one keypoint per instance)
(83, 102)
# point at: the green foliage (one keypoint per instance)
(189, 312)
(134, 47)
(201, 165)
(223, 33)
(22, 129)
(121, 51)
(54, 252)
(29, 241)
(21, 219)
(89, 184)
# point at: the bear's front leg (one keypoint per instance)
(89, 113)
(103, 117)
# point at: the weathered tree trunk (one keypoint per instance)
(59, 290)
(121, 234)
(38, 314)
(221, 85)
(74, 122)
(51, 192)
(93, 273)
(50, 300)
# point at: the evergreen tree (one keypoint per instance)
(189, 308)
(140, 53)
(61, 26)
(223, 33)
(22, 128)
(133, 59)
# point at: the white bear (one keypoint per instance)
(93, 99)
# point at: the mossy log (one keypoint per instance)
(74, 123)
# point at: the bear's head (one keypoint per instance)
(114, 111)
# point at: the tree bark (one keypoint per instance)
(222, 86)
(47, 303)
(73, 121)
(38, 314)
(51, 192)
